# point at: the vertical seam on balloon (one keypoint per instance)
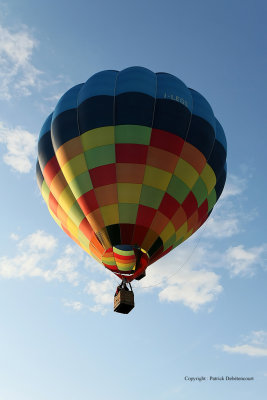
(78, 126)
(152, 122)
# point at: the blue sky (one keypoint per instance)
(202, 310)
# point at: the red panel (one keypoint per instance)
(131, 153)
(139, 234)
(50, 170)
(157, 256)
(168, 205)
(104, 175)
(53, 204)
(127, 231)
(88, 202)
(190, 205)
(86, 228)
(203, 210)
(166, 141)
(145, 215)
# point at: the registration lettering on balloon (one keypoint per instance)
(130, 170)
(176, 98)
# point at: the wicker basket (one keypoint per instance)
(124, 301)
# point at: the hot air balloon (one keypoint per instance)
(130, 165)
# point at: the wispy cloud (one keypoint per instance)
(20, 146)
(254, 345)
(35, 253)
(102, 292)
(18, 75)
(180, 279)
(74, 305)
(243, 261)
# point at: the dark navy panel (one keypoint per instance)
(64, 128)
(155, 247)
(201, 108)
(67, 101)
(220, 135)
(201, 135)
(39, 175)
(45, 150)
(170, 87)
(102, 83)
(46, 126)
(114, 234)
(134, 108)
(136, 79)
(217, 158)
(96, 112)
(171, 116)
(221, 182)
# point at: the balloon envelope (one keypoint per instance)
(131, 164)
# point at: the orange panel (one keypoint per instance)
(69, 150)
(193, 156)
(150, 238)
(179, 218)
(106, 195)
(130, 173)
(161, 159)
(159, 222)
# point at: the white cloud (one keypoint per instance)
(234, 186)
(14, 236)
(243, 261)
(35, 253)
(102, 291)
(75, 305)
(255, 345)
(18, 75)
(20, 147)
(184, 277)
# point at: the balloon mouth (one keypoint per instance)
(126, 260)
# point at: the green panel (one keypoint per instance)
(200, 191)
(177, 244)
(151, 197)
(83, 239)
(128, 213)
(45, 191)
(212, 198)
(132, 134)
(169, 242)
(178, 189)
(81, 184)
(101, 155)
(76, 214)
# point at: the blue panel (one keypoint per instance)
(170, 87)
(202, 109)
(136, 79)
(102, 83)
(68, 101)
(46, 126)
(220, 136)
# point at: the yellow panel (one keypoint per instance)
(66, 199)
(97, 137)
(157, 178)
(110, 214)
(186, 173)
(45, 191)
(167, 232)
(72, 228)
(188, 234)
(209, 177)
(181, 231)
(129, 192)
(76, 166)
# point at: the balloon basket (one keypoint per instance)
(124, 301)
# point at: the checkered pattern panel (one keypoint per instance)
(131, 158)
